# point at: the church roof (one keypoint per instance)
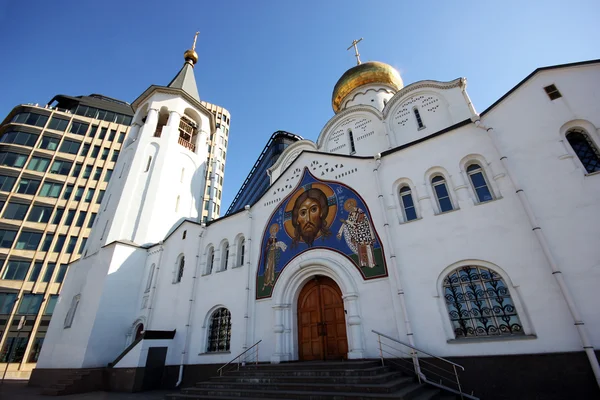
(186, 81)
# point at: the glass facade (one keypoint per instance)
(44, 157)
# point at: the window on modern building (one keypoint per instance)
(7, 238)
(115, 156)
(76, 170)
(60, 242)
(87, 171)
(100, 195)
(82, 245)
(219, 336)
(36, 348)
(241, 252)
(28, 186)
(7, 183)
(51, 189)
(71, 313)
(15, 211)
(19, 137)
(7, 302)
(418, 118)
(351, 141)
(441, 193)
(14, 348)
(111, 135)
(90, 195)
(16, 270)
(58, 124)
(97, 173)
(85, 149)
(81, 218)
(477, 312)
(150, 276)
(47, 241)
(70, 146)
(58, 215)
(71, 245)
(39, 164)
(79, 193)
(70, 217)
(79, 128)
(35, 271)
(91, 221)
(121, 137)
(68, 191)
(28, 240)
(95, 151)
(480, 186)
(51, 304)
(93, 131)
(12, 159)
(62, 271)
(585, 149)
(408, 206)
(105, 152)
(61, 167)
(39, 214)
(179, 268)
(102, 133)
(30, 119)
(552, 92)
(108, 175)
(30, 304)
(49, 272)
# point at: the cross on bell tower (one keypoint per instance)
(357, 55)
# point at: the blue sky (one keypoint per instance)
(273, 64)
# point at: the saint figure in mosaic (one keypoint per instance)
(273, 249)
(358, 233)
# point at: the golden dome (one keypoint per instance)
(191, 55)
(363, 74)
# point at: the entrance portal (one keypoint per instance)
(321, 321)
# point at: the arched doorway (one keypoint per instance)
(139, 331)
(321, 321)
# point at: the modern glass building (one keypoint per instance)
(257, 182)
(55, 163)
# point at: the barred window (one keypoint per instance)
(585, 149)
(479, 304)
(219, 337)
(180, 268)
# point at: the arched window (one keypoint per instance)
(585, 149)
(479, 303)
(224, 256)
(180, 268)
(408, 206)
(139, 331)
(219, 333)
(210, 260)
(150, 276)
(351, 140)
(480, 186)
(241, 251)
(71, 313)
(441, 193)
(418, 118)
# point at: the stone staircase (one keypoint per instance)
(314, 381)
(74, 382)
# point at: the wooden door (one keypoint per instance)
(321, 321)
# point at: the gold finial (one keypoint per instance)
(354, 44)
(191, 55)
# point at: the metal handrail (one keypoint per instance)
(416, 348)
(220, 370)
(419, 370)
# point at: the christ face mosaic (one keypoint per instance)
(319, 215)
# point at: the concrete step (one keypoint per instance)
(312, 365)
(179, 396)
(280, 372)
(347, 379)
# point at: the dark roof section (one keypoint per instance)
(93, 100)
(186, 81)
(575, 64)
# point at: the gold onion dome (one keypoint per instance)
(364, 74)
(191, 55)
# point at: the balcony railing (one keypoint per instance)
(186, 144)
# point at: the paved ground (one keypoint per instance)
(18, 390)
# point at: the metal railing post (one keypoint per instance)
(380, 351)
(256, 354)
(457, 381)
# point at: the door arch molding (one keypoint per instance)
(285, 301)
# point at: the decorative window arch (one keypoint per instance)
(409, 212)
(479, 183)
(442, 194)
(219, 331)
(224, 255)
(179, 268)
(150, 276)
(585, 149)
(479, 303)
(210, 259)
(71, 313)
(241, 251)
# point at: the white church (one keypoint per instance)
(466, 235)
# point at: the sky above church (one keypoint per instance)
(273, 64)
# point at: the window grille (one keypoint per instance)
(180, 267)
(219, 337)
(418, 118)
(585, 149)
(351, 138)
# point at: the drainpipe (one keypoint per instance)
(186, 341)
(247, 248)
(161, 249)
(552, 263)
(390, 246)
